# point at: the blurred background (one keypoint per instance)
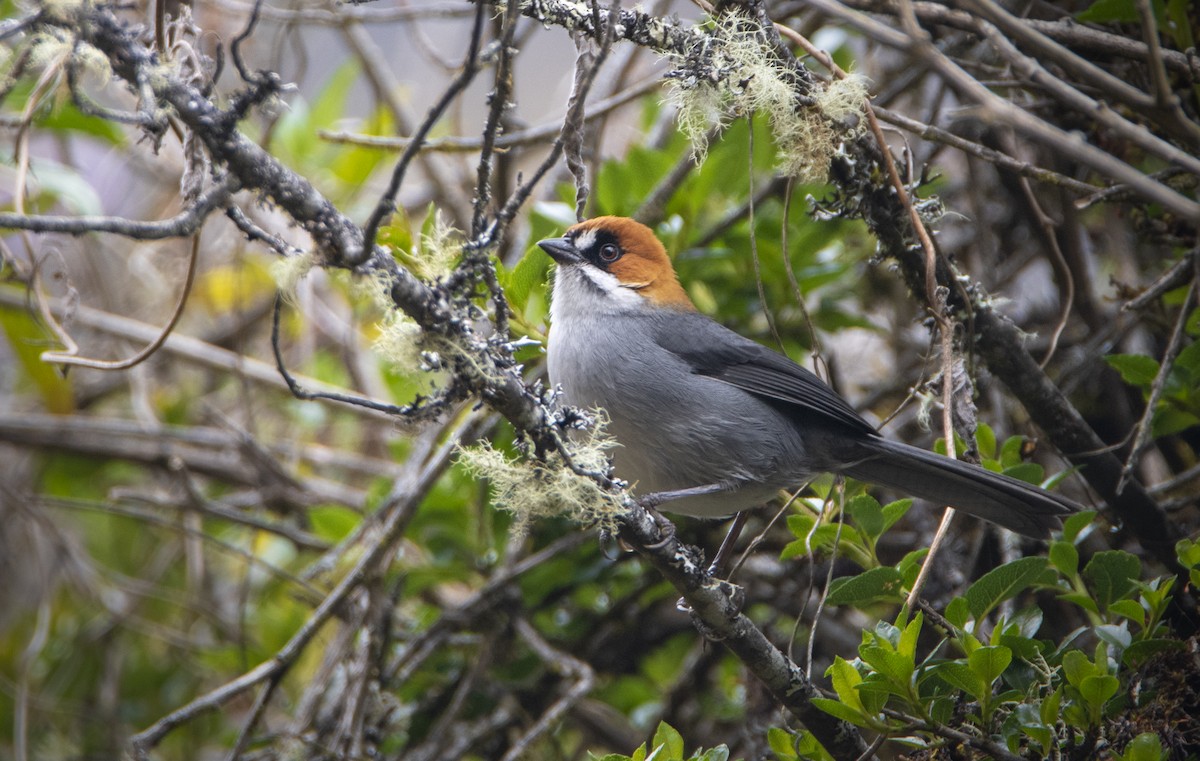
(167, 526)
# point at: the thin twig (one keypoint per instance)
(1174, 343)
(71, 358)
(934, 295)
(1178, 274)
(387, 202)
(419, 408)
(1058, 261)
(1001, 160)
(400, 508)
(499, 104)
(183, 224)
(566, 666)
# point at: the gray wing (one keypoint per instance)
(713, 350)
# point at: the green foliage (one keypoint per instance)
(339, 171)
(1178, 406)
(27, 339)
(667, 745)
(985, 662)
(1171, 17)
(1144, 747)
(1033, 695)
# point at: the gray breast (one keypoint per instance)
(676, 429)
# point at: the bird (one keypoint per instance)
(710, 423)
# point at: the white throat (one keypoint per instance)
(581, 290)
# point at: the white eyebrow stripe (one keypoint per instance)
(585, 240)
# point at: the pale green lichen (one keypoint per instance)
(290, 270)
(531, 490)
(842, 100)
(697, 110)
(400, 339)
(48, 49)
(437, 249)
(738, 74)
(92, 61)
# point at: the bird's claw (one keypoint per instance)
(666, 529)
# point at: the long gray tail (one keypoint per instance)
(1005, 501)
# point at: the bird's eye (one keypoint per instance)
(609, 252)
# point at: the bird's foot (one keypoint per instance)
(666, 529)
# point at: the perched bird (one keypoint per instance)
(711, 423)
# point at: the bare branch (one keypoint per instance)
(183, 224)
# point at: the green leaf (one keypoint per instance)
(1188, 551)
(895, 667)
(668, 738)
(66, 186)
(908, 639)
(1169, 421)
(894, 511)
(333, 522)
(1135, 369)
(845, 679)
(960, 676)
(810, 540)
(840, 710)
(1112, 573)
(868, 514)
(1139, 651)
(1083, 600)
(1145, 747)
(1050, 707)
(66, 117)
(885, 631)
(985, 440)
(1077, 667)
(1131, 609)
(1010, 451)
(1029, 472)
(809, 749)
(1110, 11)
(1029, 721)
(1064, 557)
(1116, 635)
(1025, 623)
(1023, 647)
(1098, 688)
(1002, 583)
(28, 338)
(989, 662)
(1076, 523)
(877, 584)
(330, 105)
(875, 693)
(1176, 22)
(910, 566)
(1188, 361)
(781, 743)
(958, 612)
(525, 275)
